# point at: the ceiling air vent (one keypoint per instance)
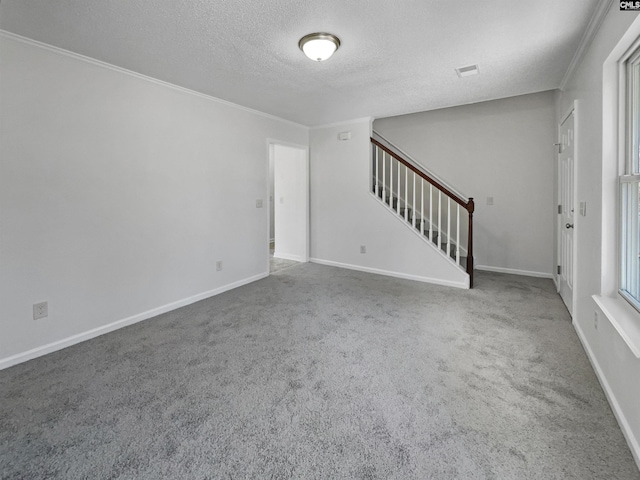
(467, 71)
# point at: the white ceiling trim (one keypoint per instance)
(589, 34)
(343, 122)
(99, 63)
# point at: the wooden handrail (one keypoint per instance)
(469, 205)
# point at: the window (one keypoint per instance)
(618, 298)
(629, 188)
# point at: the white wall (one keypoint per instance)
(596, 243)
(118, 194)
(291, 187)
(272, 205)
(345, 215)
(501, 149)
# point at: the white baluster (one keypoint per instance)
(422, 206)
(399, 194)
(377, 178)
(448, 226)
(406, 193)
(413, 205)
(384, 178)
(439, 218)
(458, 235)
(390, 181)
(431, 212)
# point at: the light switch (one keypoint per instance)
(489, 200)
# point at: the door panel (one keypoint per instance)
(566, 217)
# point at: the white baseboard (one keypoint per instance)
(286, 256)
(81, 337)
(513, 271)
(634, 445)
(388, 273)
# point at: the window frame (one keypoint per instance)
(629, 174)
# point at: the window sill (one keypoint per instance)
(624, 318)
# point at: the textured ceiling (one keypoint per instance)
(397, 56)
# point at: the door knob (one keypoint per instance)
(569, 225)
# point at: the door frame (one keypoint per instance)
(572, 110)
(271, 143)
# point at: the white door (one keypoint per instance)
(566, 207)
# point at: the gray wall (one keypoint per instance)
(501, 149)
(118, 194)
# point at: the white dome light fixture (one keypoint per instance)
(319, 46)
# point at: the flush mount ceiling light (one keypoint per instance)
(467, 71)
(319, 46)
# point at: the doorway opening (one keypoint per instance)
(288, 206)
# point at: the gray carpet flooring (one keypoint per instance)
(322, 373)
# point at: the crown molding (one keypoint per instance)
(343, 123)
(589, 34)
(109, 66)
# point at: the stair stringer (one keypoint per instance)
(408, 224)
(391, 249)
(394, 250)
(398, 244)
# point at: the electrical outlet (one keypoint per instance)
(40, 310)
(595, 320)
(259, 203)
(363, 249)
(218, 265)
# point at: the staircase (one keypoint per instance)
(442, 218)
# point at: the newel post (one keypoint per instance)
(470, 208)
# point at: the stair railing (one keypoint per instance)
(401, 185)
(407, 157)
